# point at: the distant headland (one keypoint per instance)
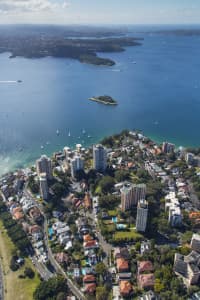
(63, 43)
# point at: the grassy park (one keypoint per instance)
(15, 287)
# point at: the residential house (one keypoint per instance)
(146, 281)
(144, 267)
(87, 201)
(121, 253)
(188, 267)
(195, 242)
(148, 296)
(126, 288)
(62, 257)
(89, 278)
(91, 244)
(35, 214)
(122, 265)
(36, 232)
(194, 217)
(17, 213)
(90, 288)
(145, 247)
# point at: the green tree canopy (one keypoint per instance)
(106, 184)
(121, 175)
(100, 268)
(50, 290)
(59, 189)
(102, 293)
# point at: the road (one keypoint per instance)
(106, 246)
(74, 289)
(42, 269)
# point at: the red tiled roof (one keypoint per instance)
(145, 266)
(125, 288)
(194, 215)
(122, 264)
(34, 212)
(34, 229)
(18, 215)
(87, 201)
(78, 203)
(89, 278)
(90, 288)
(87, 238)
(146, 281)
(89, 244)
(61, 257)
(16, 209)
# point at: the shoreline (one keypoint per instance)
(27, 161)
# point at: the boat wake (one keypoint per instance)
(10, 81)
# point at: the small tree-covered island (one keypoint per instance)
(118, 220)
(107, 100)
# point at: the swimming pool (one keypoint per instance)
(121, 226)
(114, 219)
(50, 231)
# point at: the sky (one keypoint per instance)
(100, 11)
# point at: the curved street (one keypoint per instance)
(74, 289)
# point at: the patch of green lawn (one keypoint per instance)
(15, 287)
(127, 235)
(112, 213)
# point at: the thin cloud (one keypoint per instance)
(18, 6)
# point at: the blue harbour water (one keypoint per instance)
(160, 95)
